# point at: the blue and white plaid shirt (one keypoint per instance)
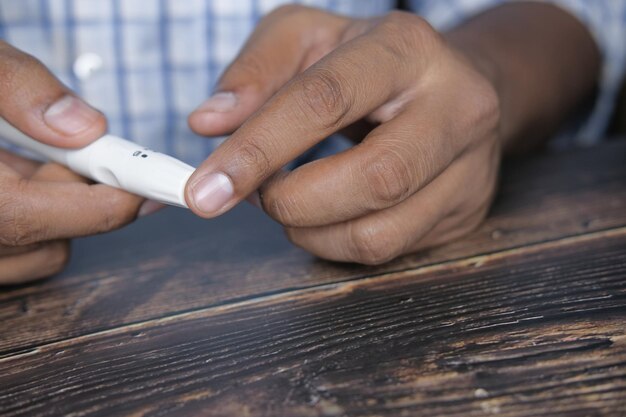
(148, 63)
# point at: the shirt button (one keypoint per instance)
(86, 64)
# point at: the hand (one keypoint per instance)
(424, 175)
(41, 206)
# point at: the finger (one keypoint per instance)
(452, 228)
(35, 102)
(394, 161)
(46, 260)
(283, 42)
(15, 250)
(411, 225)
(53, 172)
(377, 237)
(323, 99)
(34, 211)
(416, 141)
(23, 166)
(150, 207)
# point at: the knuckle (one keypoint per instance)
(478, 113)
(324, 97)
(484, 107)
(372, 245)
(250, 66)
(410, 25)
(402, 36)
(253, 155)
(407, 27)
(283, 209)
(388, 177)
(114, 220)
(397, 20)
(17, 227)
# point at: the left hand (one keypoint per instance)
(424, 175)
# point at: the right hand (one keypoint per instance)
(41, 206)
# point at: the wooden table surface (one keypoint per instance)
(185, 317)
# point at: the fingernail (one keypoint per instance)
(70, 115)
(212, 192)
(221, 102)
(148, 207)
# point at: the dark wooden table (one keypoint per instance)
(179, 316)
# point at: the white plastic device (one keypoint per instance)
(116, 162)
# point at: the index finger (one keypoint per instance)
(347, 84)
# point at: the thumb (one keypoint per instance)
(35, 102)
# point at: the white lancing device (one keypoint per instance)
(116, 162)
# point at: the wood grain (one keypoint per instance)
(532, 331)
(174, 263)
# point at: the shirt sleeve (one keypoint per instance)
(605, 20)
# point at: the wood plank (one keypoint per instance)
(174, 262)
(538, 331)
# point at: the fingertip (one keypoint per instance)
(208, 118)
(149, 207)
(210, 194)
(226, 111)
(198, 123)
(207, 123)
